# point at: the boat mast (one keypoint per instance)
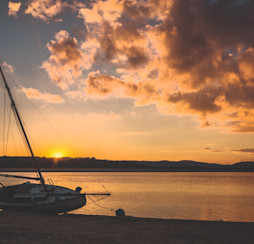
(16, 113)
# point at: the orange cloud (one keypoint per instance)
(45, 9)
(101, 11)
(13, 8)
(104, 85)
(246, 64)
(74, 95)
(47, 97)
(65, 62)
(185, 56)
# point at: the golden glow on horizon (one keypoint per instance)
(58, 155)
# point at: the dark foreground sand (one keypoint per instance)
(16, 227)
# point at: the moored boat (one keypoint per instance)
(37, 197)
(34, 197)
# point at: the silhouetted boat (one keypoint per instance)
(39, 197)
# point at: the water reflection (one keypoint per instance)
(206, 196)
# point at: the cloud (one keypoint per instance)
(66, 60)
(246, 63)
(102, 117)
(186, 56)
(74, 95)
(201, 32)
(32, 93)
(117, 37)
(103, 86)
(13, 8)
(202, 101)
(138, 11)
(246, 150)
(207, 148)
(101, 11)
(45, 9)
(211, 149)
(8, 67)
(136, 56)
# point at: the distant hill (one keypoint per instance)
(244, 165)
(90, 164)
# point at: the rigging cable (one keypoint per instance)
(41, 114)
(7, 133)
(95, 202)
(16, 148)
(4, 119)
(21, 127)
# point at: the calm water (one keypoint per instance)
(200, 196)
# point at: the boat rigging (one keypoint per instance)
(37, 197)
(16, 113)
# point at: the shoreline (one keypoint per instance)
(76, 228)
(24, 170)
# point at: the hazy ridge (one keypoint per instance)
(83, 164)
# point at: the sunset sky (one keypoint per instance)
(132, 79)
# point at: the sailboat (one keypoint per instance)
(37, 197)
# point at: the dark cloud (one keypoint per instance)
(240, 95)
(229, 22)
(122, 40)
(207, 148)
(243, 129)
(188, 45)
(128, 31)
(186, 42)
(201, 101)
(237, 95)
(137, 11)
(200, 34)
(107, 41)
(247, 150)
(136, 56)
(108, 47)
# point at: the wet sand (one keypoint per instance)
(18, 227)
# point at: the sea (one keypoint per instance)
(212, 196)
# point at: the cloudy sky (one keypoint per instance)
(133, 79)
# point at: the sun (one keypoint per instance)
(57, 155)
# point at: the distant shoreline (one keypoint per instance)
(26, 164)
(117, 170)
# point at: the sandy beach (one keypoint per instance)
(18, 227)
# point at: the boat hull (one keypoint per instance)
(33, 198)
(62, 206)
